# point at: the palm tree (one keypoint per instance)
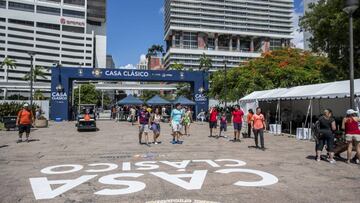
(205, 62)
(177, 66)
(8, 63)
(38, 71)
(154, 50)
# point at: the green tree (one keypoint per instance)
(205, 62)
(277, 69)
(88, 93)
(329, 26)
(177, 66)
(7, 64)
(38, 72)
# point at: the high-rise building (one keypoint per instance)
(225, 30)
(69, 32)
(307, 35)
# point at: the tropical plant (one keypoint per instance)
(38, 72)
(205, 62)
(277, 69)
(38, 95)
(177, 66)
(329, 27)
(7, 64)
(154, 50)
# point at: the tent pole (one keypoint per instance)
(311, 115)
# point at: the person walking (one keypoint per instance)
(132, 115)
(352, 133)
(237, 117)
(201, 116)
(248, 119)
(223, 125)
(259, 126)
(144, 122)
(213, 119)
(187, 120)
(155, 124)
(176, 119)
(326, 127)
(25, 119)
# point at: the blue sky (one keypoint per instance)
(134, 25)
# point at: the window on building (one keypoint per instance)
(51, 1)
(190, 40)
(48, 10)
(68, 28)
(2, 4)
(75, 2)
(73, 37)
(21, 22)
(48, 26)
(72, 13)
(21, 6)
(47, 34)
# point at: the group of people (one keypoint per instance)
(255, 121)
(149, 120)
(325, 129)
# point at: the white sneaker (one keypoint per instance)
(156, 143)
(332, 161)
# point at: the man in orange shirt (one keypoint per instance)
(24, 121)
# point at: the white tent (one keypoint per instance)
(304, 100)
(340, 89)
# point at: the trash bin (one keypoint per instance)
(9, 122)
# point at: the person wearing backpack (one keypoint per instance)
(326, 127)
(24, 121)
(352, 133)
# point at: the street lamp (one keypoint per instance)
(31, 54)
(350, 7)
(225, 84)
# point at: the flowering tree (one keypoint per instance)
(276, 69)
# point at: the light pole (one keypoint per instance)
(350, 7)
(31, 54)
(225, 84)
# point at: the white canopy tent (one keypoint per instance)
(340, 89)
(306, 100)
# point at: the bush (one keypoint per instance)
(11, 109)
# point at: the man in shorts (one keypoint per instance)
(213, 120)
(176, 119)
(237, 117)
(24, 121)
(144, 123)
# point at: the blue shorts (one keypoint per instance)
(155, 127)
(223, 127)
(237, 126)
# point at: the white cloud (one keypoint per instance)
(298, 40)
(162, 10)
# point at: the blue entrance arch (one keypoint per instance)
(62, 81)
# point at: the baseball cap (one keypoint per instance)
(351, 111)
(26, 105)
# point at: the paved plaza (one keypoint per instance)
(110, 166)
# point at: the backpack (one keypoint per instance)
(316, 130)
